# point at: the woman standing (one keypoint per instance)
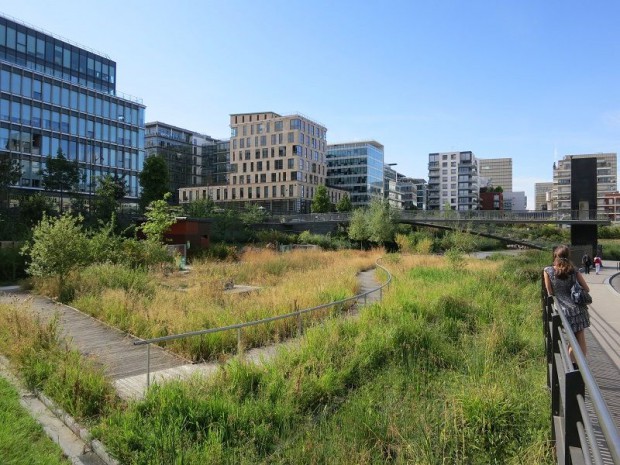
(597, 263)
(559, 279)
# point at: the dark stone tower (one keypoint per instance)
(583, 205)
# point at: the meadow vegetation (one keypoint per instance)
(22, 440)
(448, 368)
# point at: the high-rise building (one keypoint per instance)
(357, 168)
(453, 181)
(496, 172)
(540, 193)
(57, 95)
(606, 180)
(403, 192)
(185, 153)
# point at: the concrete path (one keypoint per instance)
(603, 342)
(125, 363)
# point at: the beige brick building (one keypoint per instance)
(276, 162)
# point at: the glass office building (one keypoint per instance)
(58, 95)
(357, 168)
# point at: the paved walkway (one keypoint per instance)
(125, 363)
(603, 339)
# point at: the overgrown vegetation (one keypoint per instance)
(448, 369)
(22, 440)
(47, 364)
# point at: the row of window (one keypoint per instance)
(282, 152)
(277, 177)
(261, 141)
(31, 177)
(295, 124)
(69, 123)
(74, 98)
(19, 41)
(84, 151)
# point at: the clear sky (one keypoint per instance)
(532, 80)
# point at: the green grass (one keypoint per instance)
(448, 369)
(22, 440)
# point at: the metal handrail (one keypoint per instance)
(240, 326)
(577, 429)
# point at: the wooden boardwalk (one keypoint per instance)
(126, 363)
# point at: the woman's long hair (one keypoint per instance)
(561, 261)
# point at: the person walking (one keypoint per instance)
(587, 262)
(597, 264)
(559, 278)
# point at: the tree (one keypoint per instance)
(160, 216)
(381, 222)
(200, 208)
(320, 202)
(51, 254)
(32, 209)
(10, 173)
(344, 204)
(358, 227)
(154, 180)
(109, 193)
(60, 174)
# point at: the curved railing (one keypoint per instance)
(239, 326)
(572, 430)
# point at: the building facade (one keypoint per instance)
(515, 200)
(358, 169)
(496, 172)
(56, 95)
(274, 161)
(612, 206)
(606, 180)
(185, 152)
(453, 181)
(540, 195)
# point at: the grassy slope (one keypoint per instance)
(449, 369)
(22, 440)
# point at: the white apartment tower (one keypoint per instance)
(453, 181)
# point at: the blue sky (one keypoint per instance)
(530, 80)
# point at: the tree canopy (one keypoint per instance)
(111, 189)
(154, 180)
(10, 172)
(320, 202)
(60, 175)
(344, 204)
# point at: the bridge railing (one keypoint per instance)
(239, 327)
(567, 216)
(572, 430)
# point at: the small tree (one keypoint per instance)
(344, 204)
(110, 191)
(160, 216)
(320, 202)
(32, 209)
(10, 172)
(200, 208)
(50, 252)
(358, 227)
(381, 222)
(60, 175)
(154, 180)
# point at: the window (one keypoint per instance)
(278, 126)
(291, 137)
(295, 124)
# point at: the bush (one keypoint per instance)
(12, 264)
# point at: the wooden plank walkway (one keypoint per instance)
(125, 363)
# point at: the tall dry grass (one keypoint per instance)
(157, 305)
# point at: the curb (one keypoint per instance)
(94, 444)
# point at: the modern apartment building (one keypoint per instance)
(185, 153)
(606, 180)
(612, 206)
(357, 168)
(515, 200)
(403, 192)
(55, 94)
(540, 195)
(496, 172)
(453, 181)
(275, 161)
